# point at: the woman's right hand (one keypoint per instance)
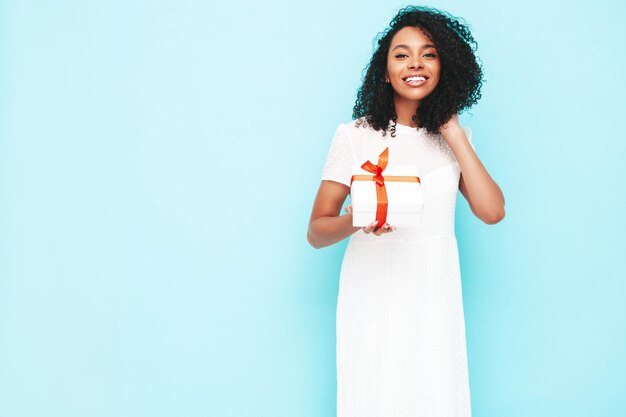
(373, 226)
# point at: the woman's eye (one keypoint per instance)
(401, 55)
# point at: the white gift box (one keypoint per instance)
(405, 202)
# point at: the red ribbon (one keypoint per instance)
(381, 191)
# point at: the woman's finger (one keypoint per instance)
(370, 227)
(380, 230)
(385, 229)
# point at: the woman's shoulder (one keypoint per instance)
(361, 122)
(360, 126)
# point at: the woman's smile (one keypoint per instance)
(415, 80)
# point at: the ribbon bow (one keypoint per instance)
(381, 191)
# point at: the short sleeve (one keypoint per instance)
(338, 165)
(468, 133)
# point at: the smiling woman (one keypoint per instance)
(413, 69)
(401, 347)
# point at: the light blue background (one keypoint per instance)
(158, 165)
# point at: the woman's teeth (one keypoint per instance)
(415, 81)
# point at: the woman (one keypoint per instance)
(401, 347)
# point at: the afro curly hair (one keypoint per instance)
(459, 84)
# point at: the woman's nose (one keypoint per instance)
(415, 63)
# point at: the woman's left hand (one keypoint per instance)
(450, 125)
(451, 130)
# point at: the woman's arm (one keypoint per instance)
(482, 193)
(326, 226)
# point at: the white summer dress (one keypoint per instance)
(401, 349)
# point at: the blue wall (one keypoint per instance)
(158, 165)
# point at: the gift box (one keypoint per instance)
(386, 192)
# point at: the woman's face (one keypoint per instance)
(412, 53)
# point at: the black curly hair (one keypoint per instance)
(459, 83)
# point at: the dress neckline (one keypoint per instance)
(405, 128)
